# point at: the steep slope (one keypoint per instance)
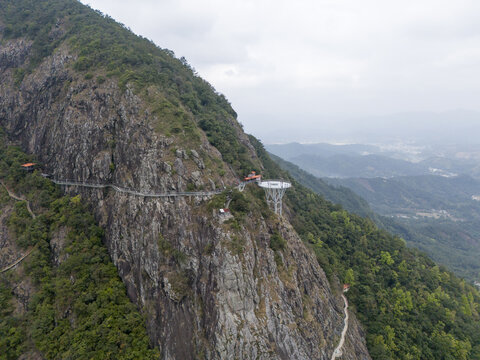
(411, 307)
(95, 103)
(439, 215)
(448, 242)
(64, 298)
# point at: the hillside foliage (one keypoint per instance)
(79, 308)
(177, 96)
(410, 307)
(449, 242)
(433, 213)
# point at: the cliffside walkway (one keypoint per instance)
(18, 261)
(29, 251)
(102, 186)
(338, 350)
(135, 192)
(18, 198)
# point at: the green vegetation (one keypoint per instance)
(239, 204)
(217, 202)
(336, 194)
(12, 328)
(236, 245)
(224, 137)
(79, 308)
(433, 213)
(176, 95)
(169, 252)
(277, 242)
(410, 307)
(180, 285)
(449, 242)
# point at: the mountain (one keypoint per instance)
(355, 160)
(98, 105)
(441, 214)
(377, 264)
(336, 194)
(412, 194)
(397, 201)
(153, 151)
(66, 278)
(291, 150)
(357, 166)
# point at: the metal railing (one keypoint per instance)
(135, 192)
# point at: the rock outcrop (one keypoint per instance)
(209, 289)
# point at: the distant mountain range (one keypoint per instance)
(287, 151)
(369, 161)
(409, 195)
(345, 165)
(437, 214)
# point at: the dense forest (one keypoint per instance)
(410, 307)
(79, 308)
(451, 242)
(439, 214)
(182, 101)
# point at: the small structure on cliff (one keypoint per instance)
(274, 190)
(252, 177)
(28, 166)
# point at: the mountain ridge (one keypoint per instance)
(253, 286)
(208, 287)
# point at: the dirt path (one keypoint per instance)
(29, 251)
(18, 198)
(338, 350)
(18, 261)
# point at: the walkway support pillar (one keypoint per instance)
(274, 191)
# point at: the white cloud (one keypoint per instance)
(313, 58)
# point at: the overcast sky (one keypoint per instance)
(311, 64)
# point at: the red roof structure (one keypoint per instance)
(28, 167)
(252, 176)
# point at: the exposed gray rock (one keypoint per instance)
(194, 154)
(204, 287)
(57, 244)
(181, 154)
(179, 168)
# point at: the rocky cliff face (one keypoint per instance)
(209, 288)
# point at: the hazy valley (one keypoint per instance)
(130, 227)
(432, 201)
